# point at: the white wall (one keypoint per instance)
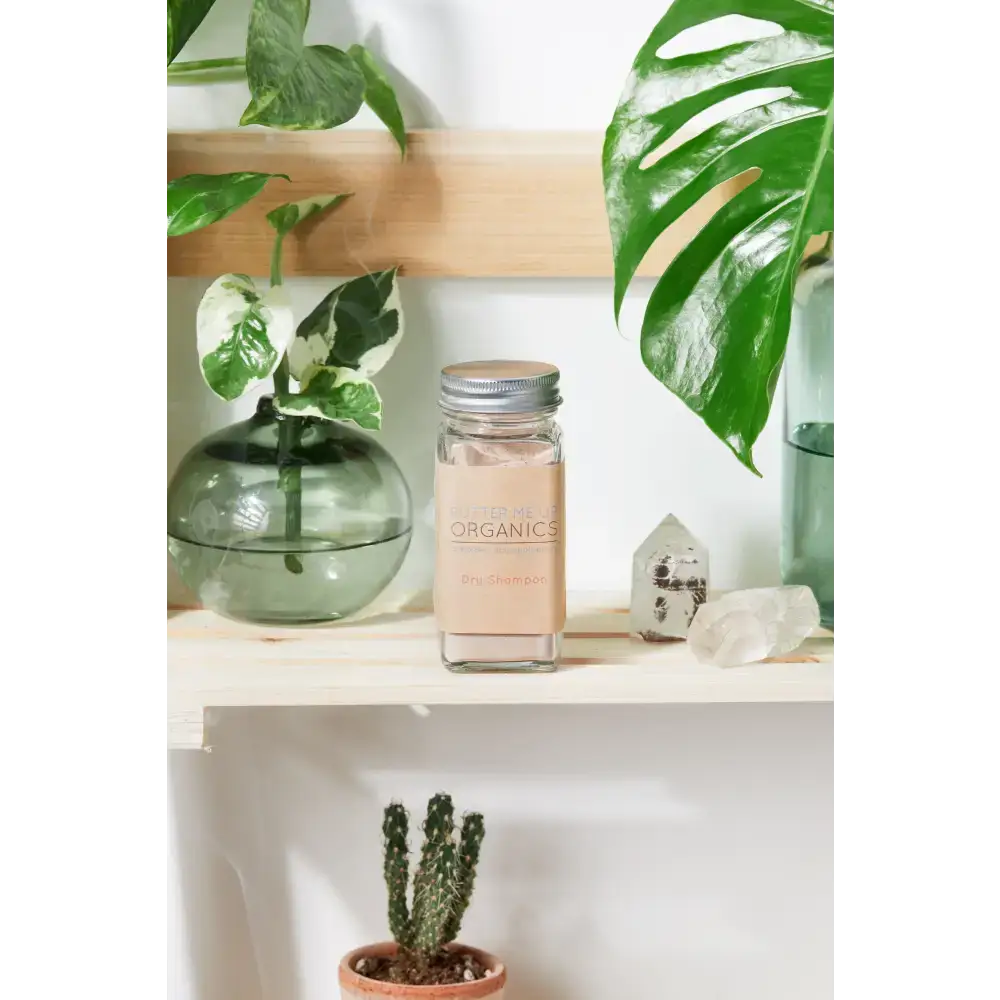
(700, 835)
(692, 840)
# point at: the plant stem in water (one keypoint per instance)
(289, 437)
(290, 483)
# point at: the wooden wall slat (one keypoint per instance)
(463, 204)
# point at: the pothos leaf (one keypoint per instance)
(716, 325)
(197, 200)
(183, 18)
(379, 95)
(242, 333)
(358, 325)
(285, 218)
(292, 85)
(334, 394)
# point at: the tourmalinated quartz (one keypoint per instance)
(749, 625)
(669, 582)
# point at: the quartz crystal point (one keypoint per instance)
(669, 582)
(748, 625)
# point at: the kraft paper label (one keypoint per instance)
(501, 557)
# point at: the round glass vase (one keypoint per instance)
(287, 520)
(807, 473)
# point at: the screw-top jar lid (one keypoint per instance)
(500, 387)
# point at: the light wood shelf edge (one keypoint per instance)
(392, 660)
(462, 204)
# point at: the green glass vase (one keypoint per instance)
(287, 520)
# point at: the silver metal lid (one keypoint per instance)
(499, 387)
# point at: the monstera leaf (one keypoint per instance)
(357, 326)
(716, 325)
(242, 333)
(294, 85)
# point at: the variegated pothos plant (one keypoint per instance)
(247, 334)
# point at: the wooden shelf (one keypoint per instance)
(468, 204)
(392, 659)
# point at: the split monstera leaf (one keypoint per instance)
(292, 85)
(717, 323)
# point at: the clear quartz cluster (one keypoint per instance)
(669, 582)
(749, 625)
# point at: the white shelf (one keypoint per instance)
(392, 659)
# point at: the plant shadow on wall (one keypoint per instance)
(413, 379)
(417, 107)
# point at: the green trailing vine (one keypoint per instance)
(292, 85)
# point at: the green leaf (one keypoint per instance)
(358, 325)
(379, 95)
(286, 217)
(242, 333)
(294, 86)
(197, 200)
(716, 325)
(334, 394)
(183, 18)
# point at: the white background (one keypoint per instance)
(691, 843)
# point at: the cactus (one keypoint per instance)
(434, 876)
(442, 883)
(473, 830)
(396, 868)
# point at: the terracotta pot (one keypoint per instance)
(356, 987)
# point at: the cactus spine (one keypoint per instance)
(443, 881)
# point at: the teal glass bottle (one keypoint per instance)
(807, 474)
